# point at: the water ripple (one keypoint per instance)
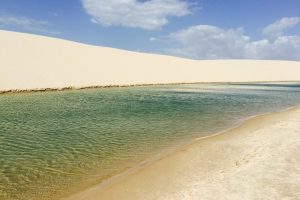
(54, 143)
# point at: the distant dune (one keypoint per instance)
(29, 62)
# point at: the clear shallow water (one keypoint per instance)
(55, 143)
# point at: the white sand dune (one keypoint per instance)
(34, 62)
(258, 160)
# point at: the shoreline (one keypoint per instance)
(117, 180)
(71, 88)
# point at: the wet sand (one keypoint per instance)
(258, 160)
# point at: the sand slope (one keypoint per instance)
(32, 62)
(258, 160)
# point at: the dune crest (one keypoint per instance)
(30, 62)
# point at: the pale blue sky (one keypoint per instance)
(199, 29)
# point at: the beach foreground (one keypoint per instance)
(258, 160)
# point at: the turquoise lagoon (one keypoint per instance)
(55, 143)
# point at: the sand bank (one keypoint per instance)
(31, 62)
(258, 160)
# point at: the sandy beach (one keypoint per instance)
(149, 100)
(32, 62)
(258, 160)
